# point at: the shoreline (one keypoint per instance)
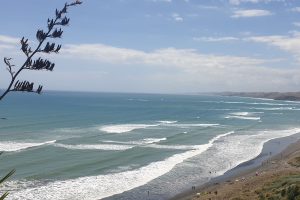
(274, 149)
(282, 96)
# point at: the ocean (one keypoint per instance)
(72, 145)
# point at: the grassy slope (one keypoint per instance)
(279, 179)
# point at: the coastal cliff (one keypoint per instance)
(287, 96)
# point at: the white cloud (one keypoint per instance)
(206, 7)
(246, 33)
(296, 9)
(169, 1)
(296, 24)
(8, 45)
(251, 13)
(215, 39)
(238, 2)
(289, 43)
(188, 59)
(9, 40)
(177, 17)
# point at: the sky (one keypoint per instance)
(161, 46)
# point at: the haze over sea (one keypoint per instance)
(120, 146)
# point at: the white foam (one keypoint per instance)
(246, 113)
(119, 142)
(276, 108)
(233, 102)
(242, 117)
(137, 142)
(189, 147)
(107, 147)
(225, 109)
(167, 122)
(121, 146)
(193, 125)
(124, 128)
(222, 135)
(270, 104)
(236, 149)
(293, 102)
(265, 99)
(240, 113)
(18, 146)
(115, 146)
(175, 147)
(101, 186)
(175, 124)
(153, 140)
(255, 103)
(250, 103)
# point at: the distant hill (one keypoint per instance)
(288, 96)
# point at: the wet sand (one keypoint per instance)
(247, 180)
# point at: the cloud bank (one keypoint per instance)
(100, 67)
(187, 70)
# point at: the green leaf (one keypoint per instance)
(4, 196)
(4, 179)
(7, 176)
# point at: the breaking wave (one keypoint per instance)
(107, 147)
(243, 115)
(101, 186)
(124, 128)
(18, 146)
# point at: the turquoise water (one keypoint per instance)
(120, 146)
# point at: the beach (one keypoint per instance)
(267, 176)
